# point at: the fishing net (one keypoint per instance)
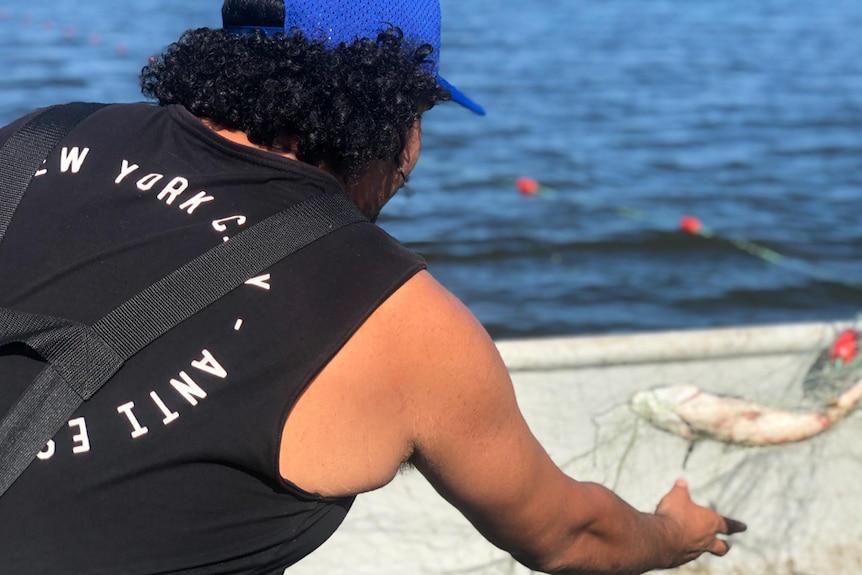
(835, 369)
(798, 499)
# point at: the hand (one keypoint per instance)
(697, 528)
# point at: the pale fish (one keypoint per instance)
(690, 412)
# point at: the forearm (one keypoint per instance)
(469, 438)
(597, 533)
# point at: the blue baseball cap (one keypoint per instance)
(337, 21)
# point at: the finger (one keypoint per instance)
(719, 547)
(682, 485)
(733, 526)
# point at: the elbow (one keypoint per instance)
(578, 556)
(557, 559)
(539, 563)
(552, 566)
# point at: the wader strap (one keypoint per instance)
(74, 350)
(82, 358)
(179, 295)
(24, 152)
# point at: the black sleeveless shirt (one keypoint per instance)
(173, 466)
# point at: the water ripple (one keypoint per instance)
(632, 114)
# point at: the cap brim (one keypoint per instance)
(459, 97)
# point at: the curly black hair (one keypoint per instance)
(343, 107)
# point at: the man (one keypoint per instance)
(236, 442)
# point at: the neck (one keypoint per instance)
(239, 137)
(369, 193)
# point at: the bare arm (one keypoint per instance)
(470, 440)
(422, 380)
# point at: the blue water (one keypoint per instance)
(744, 113)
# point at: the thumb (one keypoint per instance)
(678, 497)
(681, 485)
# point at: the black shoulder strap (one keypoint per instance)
(24, 152)
(81, 358)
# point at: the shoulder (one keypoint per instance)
(424, 304)
(453, 382)
(113, 116)
(430, 327)
(405, 377)
(423, 346)
(9, 129)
